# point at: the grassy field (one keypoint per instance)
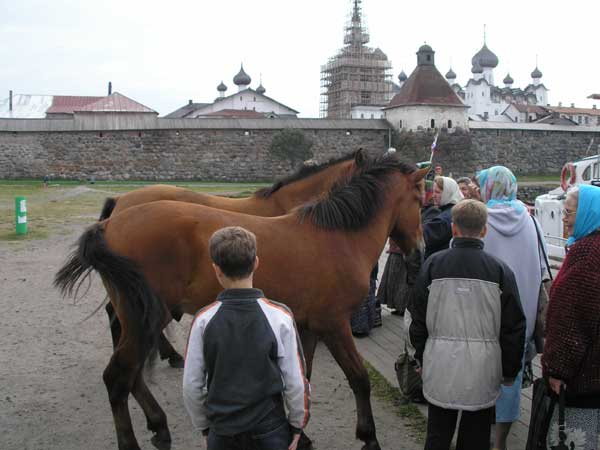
(52, 209)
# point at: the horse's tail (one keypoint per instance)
(142, 307)
(107, 209)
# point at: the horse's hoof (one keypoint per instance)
(304, 443)
(373, 445)
(161, 441)
(176, 361)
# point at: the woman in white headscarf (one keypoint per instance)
(437, 232)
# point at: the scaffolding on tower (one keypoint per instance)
(357, 75)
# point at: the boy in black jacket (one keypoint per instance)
(244, 359)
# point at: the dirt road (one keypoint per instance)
(51, 392)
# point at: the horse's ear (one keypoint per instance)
(360, 157)
(419, 174)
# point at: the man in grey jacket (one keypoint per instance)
(468, 331)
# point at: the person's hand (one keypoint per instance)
(419, 370)
(294, 442)
(206, 441)
(555, 385)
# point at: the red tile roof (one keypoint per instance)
(116, 103)
(66, 104)
(572, 111)
(235, 113)
(426, 86)
(535, 109)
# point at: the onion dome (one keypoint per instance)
(425, 48)
(402, 77)
(260, 89)
(221, 87)
(242, 78)
(450, 75)
(476, 68)
(536, 73)
(508, 79)
(485, 58)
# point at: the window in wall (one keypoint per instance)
(241, 98)
(428, 57)
(587, 173)
(579, 119)
(362, 116)
(432, 123)
(598, 121)
(483, 94)
(587, 120)
(399, 124)
(372, 116)
(449, 124)
(496, 112)
(254, 99)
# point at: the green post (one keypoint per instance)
(21, 215)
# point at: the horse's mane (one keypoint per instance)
(303, 172)
(350, 205)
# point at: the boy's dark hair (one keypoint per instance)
(463, 180)
(233, 249)
(470, 217)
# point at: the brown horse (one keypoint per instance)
(153, 260)
(307, 183)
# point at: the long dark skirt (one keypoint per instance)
(393, 287)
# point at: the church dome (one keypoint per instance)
(476, 68)
(402, 77)
(450, 75)
(508, 79)
(260, 89)
(536, 73)
(242, 78)
(485, 58)
(221, 87)
(425, 48)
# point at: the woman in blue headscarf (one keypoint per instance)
(572, 351)
(512, 238)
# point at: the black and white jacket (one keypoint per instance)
(243, 354)
(468, 326)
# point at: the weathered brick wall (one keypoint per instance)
(230, 154)
(225, 155)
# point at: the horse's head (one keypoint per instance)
(406, 230)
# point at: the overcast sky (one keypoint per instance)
(162, 53)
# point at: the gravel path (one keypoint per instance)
(51, 392)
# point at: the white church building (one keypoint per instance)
(489, 102)
(245, 103)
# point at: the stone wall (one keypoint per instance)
(209, 155)
(530, 152)
(236, 151)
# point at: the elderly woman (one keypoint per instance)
(572, 350)
(437, 232)
(512, 238)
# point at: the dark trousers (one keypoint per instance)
(271, 433)
(473, 431)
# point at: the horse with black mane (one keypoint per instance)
(308, 182)
(153, 260)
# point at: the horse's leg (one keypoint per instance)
(309, 345)
(156, 419)
(119, 377)
(165, 349)
(341, 345)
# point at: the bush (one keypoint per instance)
(291, 145)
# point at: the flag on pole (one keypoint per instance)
(433, 145)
